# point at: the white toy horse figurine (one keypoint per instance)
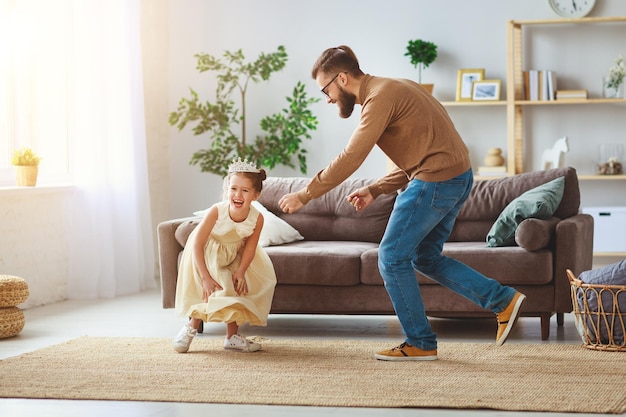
(553, 158)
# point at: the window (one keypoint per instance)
(35, 37)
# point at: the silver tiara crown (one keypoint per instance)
(242, 166)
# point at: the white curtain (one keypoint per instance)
(112, 244)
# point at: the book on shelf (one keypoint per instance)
(542, 85)
(551, 77)
(539, 85)
(571, 94)
(533, 85)
(491, 171)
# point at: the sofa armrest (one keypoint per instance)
(573, 250)
(169, 249)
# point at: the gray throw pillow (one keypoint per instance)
(614, 274)
(540, 203)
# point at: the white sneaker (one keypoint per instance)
(183, 339)
(239, 342)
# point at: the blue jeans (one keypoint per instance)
(421, 221)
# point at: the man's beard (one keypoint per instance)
(345, 102)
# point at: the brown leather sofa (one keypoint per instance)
(334, 269)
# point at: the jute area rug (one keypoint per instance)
(522, 377)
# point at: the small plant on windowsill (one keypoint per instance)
(26, 164)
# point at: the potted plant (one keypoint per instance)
(26, 164)
(422, 54)
(284, 130)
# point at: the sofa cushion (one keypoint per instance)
(510, 265)
(535, 234)
(184, 230)
(330, 217)
(370, 274)
(470, 230)
(540, 202)
(275, 231)
(487, 199)
(318, 263)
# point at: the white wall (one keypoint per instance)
(34, 243)
(467, 36)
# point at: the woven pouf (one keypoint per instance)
(11, 321)
(13, 291)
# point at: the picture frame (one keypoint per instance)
(465, 79)
(486, 90)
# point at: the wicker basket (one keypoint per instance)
(597, 312)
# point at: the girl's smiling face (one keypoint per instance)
(241, 193)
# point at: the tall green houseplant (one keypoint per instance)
(422, 54)
(284, 131)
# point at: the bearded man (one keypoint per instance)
(433, 170)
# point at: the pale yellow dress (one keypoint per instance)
(222, 254)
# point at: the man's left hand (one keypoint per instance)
(361, 198)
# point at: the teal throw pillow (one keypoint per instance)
(540, 203)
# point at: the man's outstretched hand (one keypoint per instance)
(290, 203)
(361, 198)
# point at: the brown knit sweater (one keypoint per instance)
(410, 126)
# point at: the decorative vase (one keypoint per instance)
(612, 92)
(494, 157)
(26, 175)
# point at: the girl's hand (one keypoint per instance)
(240, 284)
(209, 286)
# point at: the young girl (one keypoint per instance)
(224, 275)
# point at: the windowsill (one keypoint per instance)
(38, 189)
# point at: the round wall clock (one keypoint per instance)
(572, 8)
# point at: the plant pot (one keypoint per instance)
(26, 176)
(429, 87)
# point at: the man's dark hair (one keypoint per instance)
(335, 60)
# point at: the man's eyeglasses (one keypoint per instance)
(329, 83)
